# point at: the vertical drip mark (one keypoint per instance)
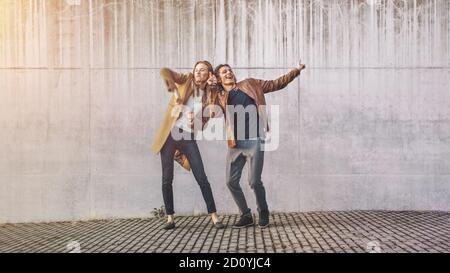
(91, 49)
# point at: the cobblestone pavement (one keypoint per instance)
(353, 231)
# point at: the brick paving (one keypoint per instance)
(352, 231)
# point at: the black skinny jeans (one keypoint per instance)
(190, 149)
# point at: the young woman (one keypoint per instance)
(175, 138)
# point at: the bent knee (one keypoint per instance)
(255, 183)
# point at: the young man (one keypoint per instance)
(245, 145)
(175, 138)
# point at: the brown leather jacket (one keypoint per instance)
(256, 89)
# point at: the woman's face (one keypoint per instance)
(201, 73)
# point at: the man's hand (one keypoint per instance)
(212, 81)
(301, 66)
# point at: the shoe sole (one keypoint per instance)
(263, 227)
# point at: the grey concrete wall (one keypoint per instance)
(367, 126)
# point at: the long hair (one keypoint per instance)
(191, 87)
(208, 64)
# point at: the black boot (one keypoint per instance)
(245, 221)
(263, 219)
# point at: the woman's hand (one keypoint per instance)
(212, 81)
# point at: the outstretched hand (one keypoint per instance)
(301, 66)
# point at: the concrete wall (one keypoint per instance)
(366, 127)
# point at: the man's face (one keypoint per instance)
(201, 73)
(226, 75)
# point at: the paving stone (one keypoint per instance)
(352, 231)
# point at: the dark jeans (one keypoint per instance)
(190, 149)
(246, 151)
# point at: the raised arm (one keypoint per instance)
(171, 78)
(281, 82)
